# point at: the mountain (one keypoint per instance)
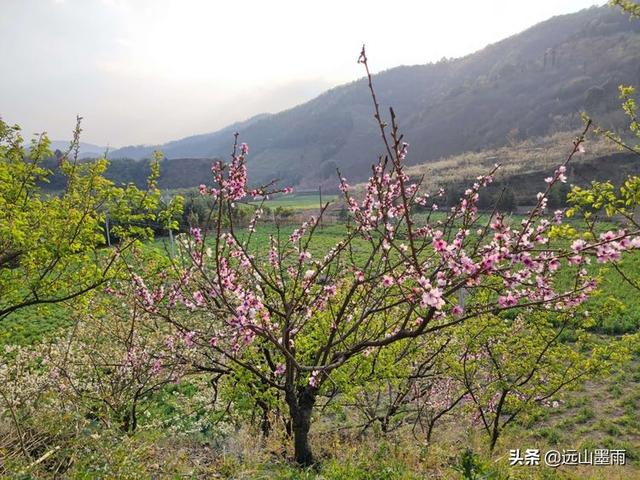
(523, 167)
(87, 150)
(195, 146)
(528, 85)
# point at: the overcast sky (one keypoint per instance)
(150, 71)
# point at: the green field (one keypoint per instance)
(614, 307)
(303, 200)
(298, 201)
(602, 413)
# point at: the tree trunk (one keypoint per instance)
(265, 422)
(130, 420)
(384, 425)
(495, 431)
(288, 429)
(430, 426)
(302, 449)
(494, 439)
(300, 408)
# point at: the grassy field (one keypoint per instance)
(298, 201)
(602, 413)
(295, 201)
(31, 324)
(615, 307)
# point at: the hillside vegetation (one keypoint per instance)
(525, 164)
(529, 85)
(416, 325)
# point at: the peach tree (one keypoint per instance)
(291, 317)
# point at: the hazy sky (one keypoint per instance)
(149, 71)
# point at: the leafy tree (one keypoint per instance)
(627, 6)
(291, 321)
(52, 245)
(514, 367)
(604, 197)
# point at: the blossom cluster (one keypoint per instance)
(420, 261)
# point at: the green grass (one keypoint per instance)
(603, 414)
(30, 325)
(297, 201)
(614, 308)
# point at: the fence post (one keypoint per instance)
(106, 225)
(320, 214)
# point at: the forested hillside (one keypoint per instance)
(532, 84)
(464, 306)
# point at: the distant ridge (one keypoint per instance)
(531, 84)
(87, 150)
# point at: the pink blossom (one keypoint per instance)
(433, 298)
(331, 290)
(156, 367)
(607, 236)
(607, 253)
(507, 300)
(578, 245)
(198, 297)
(273, 257)
(575, 260)
(313, 379)
(557, 216)
(304, 256)
(188, 339)
(402, 153)
(439, 245)
(196, 233)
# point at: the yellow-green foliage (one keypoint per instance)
(51, 246)
(627, 6)
(532, 155)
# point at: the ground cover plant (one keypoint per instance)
(396, 343)
(288, 322)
